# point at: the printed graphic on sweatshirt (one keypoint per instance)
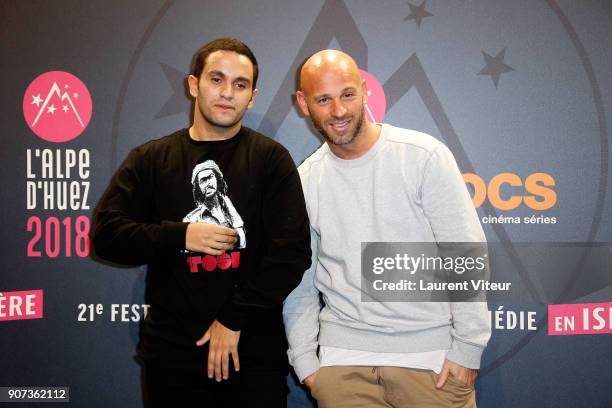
(213, 204)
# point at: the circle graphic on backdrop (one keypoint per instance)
(57, 106)
(377, 103)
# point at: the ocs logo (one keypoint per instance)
(57, 106)
(536, 191)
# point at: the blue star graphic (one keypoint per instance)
(418, 13)
(495, 66)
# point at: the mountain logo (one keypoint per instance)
(57, 106)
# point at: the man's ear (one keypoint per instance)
(193, 85)
(301, 100)
(364, 90)
(253, 96)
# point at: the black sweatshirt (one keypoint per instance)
(248, 182)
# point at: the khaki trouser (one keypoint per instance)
(370, 387)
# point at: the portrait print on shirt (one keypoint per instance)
(213, 205)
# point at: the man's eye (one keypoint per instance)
(215, 80)
(240, 86)
(349, 95)
(322, 100)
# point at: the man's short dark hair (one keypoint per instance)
(222, 44)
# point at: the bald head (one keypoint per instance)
(333, 94)
(328, 62)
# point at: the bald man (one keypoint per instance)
(374, 182)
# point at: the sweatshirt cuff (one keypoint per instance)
(233, 316)
(172, 236)
(465, 354)
(305, 365)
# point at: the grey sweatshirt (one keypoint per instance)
(406, 188)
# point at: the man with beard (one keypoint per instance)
(214, 206)
(377, 183)
(214, 332)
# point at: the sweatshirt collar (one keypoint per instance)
(220, 144)
(366, 158)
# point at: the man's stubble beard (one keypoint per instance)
(214, 123)
(356, 132)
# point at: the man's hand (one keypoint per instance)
(223, 342)
(211, 239)
(309, 381)
(463, 374)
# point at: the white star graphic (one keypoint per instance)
(36, 100)
(76, 95)
(51, 109)
(65, 108)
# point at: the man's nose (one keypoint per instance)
(227, 90)
(338, 109)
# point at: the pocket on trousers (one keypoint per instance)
(457, 383)
(314, 390)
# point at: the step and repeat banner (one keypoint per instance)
(520, 91)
